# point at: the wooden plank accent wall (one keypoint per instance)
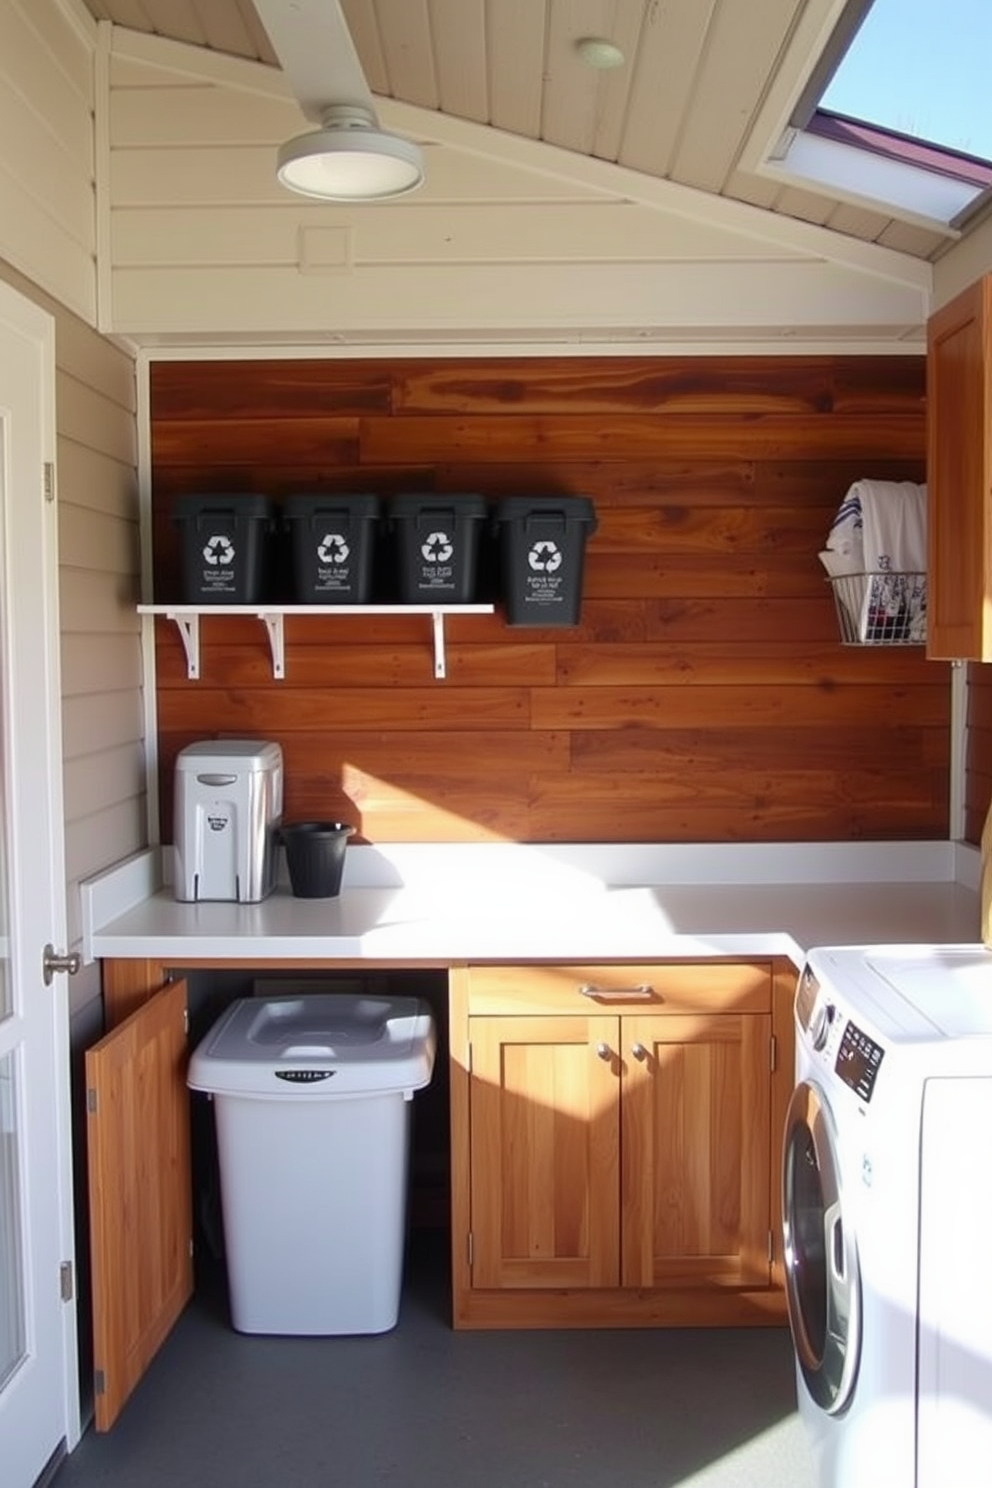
(978, 759)
(704, 695)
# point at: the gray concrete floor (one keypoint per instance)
(424, 1405)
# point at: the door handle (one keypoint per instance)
(53, 961)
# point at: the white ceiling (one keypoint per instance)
(706, 87)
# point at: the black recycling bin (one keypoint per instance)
(333, 538)
(226, 546)
(437, 546)
(542, 555)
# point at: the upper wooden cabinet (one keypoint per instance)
(959, 477)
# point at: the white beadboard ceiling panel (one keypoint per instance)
(698, 77)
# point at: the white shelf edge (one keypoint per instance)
(186, 617)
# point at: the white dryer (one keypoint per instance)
(887, 1214)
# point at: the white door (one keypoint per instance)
(38, 1384)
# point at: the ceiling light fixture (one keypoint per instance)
(349, 158)
(597, 52)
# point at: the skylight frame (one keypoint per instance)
(869, 165)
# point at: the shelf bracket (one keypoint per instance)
(186, 618)
(273, 622)
(188, 625)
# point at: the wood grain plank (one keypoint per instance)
(746, 619)
(697, 707)
(270, 712)
(711, 663)
(711, 530)
(738, 385)
(364, 666)
(244, 441)
(571, 437)
(775, 819)
(273, 388)
(689, 575)
(780, 749)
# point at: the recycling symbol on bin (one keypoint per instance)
(333, 549)
(544, 557)
(436, 547)
(219, 550)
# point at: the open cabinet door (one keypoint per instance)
(139, 1192)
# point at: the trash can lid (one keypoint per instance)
(230, 755)
(320, 1046)
(195, 506)
(407, 506)
(548, 508)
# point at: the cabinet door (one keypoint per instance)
(959, 477)
(696, 1179)
(139, 1190)
(544, 1112)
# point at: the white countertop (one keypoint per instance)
(555, 908)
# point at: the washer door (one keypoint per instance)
(822, 1278)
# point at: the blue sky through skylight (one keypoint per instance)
(923, 68)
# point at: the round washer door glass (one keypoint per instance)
(822, 1277)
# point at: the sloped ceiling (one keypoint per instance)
(701, 82)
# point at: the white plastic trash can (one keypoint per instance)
(312, 1103)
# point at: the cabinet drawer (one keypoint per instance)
(656, 987)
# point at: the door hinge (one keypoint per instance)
(186, 1021)
(48, 476)
(773, 1053)
(470, 1249)
(91, 1101)
(771, 1247)
(99, 1383)
(66, 1288)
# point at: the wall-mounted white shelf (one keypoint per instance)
(187, 620)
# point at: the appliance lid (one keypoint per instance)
(950, 986)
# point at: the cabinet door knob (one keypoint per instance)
(604, 1051)
(639, 1051)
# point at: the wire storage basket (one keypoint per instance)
(881, 608)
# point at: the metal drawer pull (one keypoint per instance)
(604, 1051)
(617, 994)
(639, 1051)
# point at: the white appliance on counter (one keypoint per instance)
(227, 809)
(887, 1214)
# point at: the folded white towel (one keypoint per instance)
(894, 514)
(880, 529)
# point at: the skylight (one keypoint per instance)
(897, 110)
(921, 68)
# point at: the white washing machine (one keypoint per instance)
(887, 1212)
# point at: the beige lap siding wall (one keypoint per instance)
(705, 695)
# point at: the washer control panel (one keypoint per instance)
(859, 1059)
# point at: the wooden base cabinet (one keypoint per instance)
(618, 1164)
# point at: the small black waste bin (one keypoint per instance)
(437, 540)
(542, 555)
(333, 538)
(315, 852)
(225, 546)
